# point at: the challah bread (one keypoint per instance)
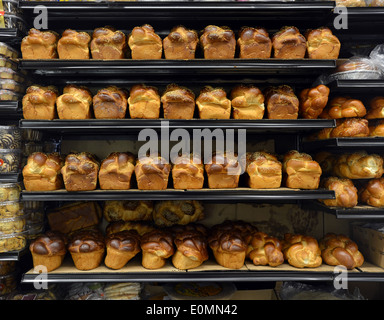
(281, 103)
(223, 171)
(345, 192)
(376, 108)
(265, 250)
(218, 42)
(338, 249)
(191, 250)
(264, 170)
(178, 102)
(343, 107)
(48, 250)
(350, 127)
(152, 173)
(247, 102)
(157, 246)
(322, 44)
(116, 171)
(372, 193)
(188, 172)
(246, 229)
(75, 103)
(300, 171)
(108, 44)
(180, 44)
(121, 247)
(74, 45)
(144, 102)
(301, 251)
(213, 103)
(128, 210)
(43, 172)
(39, 45)
(289, 43)
(39, 103)
(145, 43)
(80, 172)
(254, 43)
(110, 103)
(313, 101)
(376, 129)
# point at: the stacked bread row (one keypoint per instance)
(353, 118)
(230, 243)
(181, 43)
(176, 102)
(83, 172)
(342, 170)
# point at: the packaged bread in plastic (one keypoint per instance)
(13, 225)
(13, 242)
(9, 161)
(10, 137)
(9, 192)
(7, 267)
(12, 85)
(8, 51)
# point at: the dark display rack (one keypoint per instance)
(351, 143)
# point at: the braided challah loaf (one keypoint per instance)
(313, 101)
(75, 103)
(108, 43)
(345, 192)
(344, 107)
(218, 42)
(223, 171)
(213, 103)
(180, 43)
(145, 43)
(372, 193)
(152, 173)
(73, 45)
(265, 250)
(39, 103)
(188, 172)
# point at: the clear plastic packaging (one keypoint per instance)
(7, 51)
(11, 6)
(31, 135)
(10, 160)
(7, 267)
(9, 192)
(12, 85)
(10, 137)
(7, 95)
(8, 283)
(13, 242)
(8, 73)
(8, 63)
(10, 209)
(15, 21)
(13, 225)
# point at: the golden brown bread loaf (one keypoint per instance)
(145, 43)
(110, 103)
(48, 250)
(178, 102)
(180, 43)
(74, 216)
(218, 42)
(116, 171)
(191, 250)
(152, 173)
(265, 250)
(144, 102)
(177, 229)
(39, 103)
(345, 192)
(80, 172)
(289, 43)
(75, 103)
(247, 102)
(301, 251)
(121, 247)
(43, 172)
(39, 45)
(213, 103)
(351, 3)
(376, 108)
(188, 172)
(322, 44)
(156, 246)
(74, 45)
(170, 212)
(358, 165)
(372, 193)
(281, 103)
(229, 248)
(108, 44)
(254, 43)
(245, 229)
(376, 129)
(264, 170)
(223, 171)
(141, 227)
(338, 249)
(313, 101)
(301, 171)
(350, 127)
(87, 249)
(128, 210)
(343, 107)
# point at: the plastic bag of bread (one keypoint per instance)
(116, 171)
(108, 44)
(338, 249)
(300, 171)
(289, 43)
(281, 102)
(372, 193)
(247, 102)
(188, 172)
(74, 45)
(170, 212)
(145, 43)
(254, 43)
(322, 44)
(128, 210)
(144, 102)
(10, 191)
(75, 103)
(180, 43)
(178, 102)
(39, 45)
(345, 192)
(218, 42)
(213, 103)
(39, 103)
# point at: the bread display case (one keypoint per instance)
(277, 211)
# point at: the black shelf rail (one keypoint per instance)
(127, 67)
(240, 194)
(349, 143)
(12, 255)
(10, 109)
(357, 86)
(10, 177)
(121, 125)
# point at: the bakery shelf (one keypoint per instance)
(9, 177)
(13, 35)
(358, 212)
(239, 194)
(121, 125)
(128, 67)
(208, 271)
(363, 143)
(357, 86)
(12, 255)
(10, 109)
